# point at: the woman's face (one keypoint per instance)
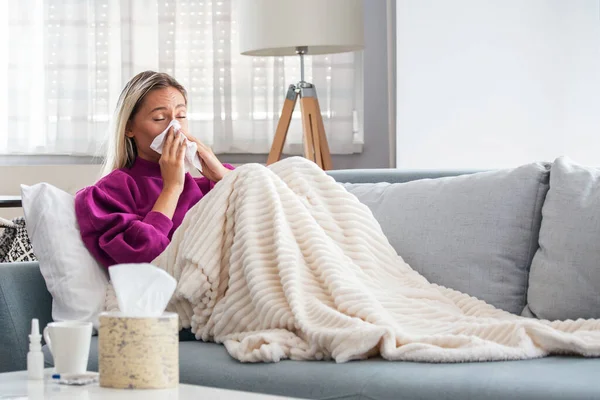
(158, 108)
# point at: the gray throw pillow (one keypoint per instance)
(473, 233)
(565, 273)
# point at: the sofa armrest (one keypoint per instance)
(23, 296)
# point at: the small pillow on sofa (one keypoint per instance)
(473, 233)
(75, 280)
(564, 282)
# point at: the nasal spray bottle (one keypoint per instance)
(35, 357)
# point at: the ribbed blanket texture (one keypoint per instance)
(281, 262)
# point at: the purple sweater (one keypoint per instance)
(115, 215)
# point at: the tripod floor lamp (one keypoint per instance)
(300, 27)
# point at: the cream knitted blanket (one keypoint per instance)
(282, 262)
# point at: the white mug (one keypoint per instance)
(69, 343)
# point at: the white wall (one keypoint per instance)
(497, 83)
(69, 178)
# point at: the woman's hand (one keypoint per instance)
(172, 162)
(173, 173)
(212, 168)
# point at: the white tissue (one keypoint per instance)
(142, 290)
(191, 152)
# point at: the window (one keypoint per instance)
(69, 60)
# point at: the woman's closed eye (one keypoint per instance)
(162, 119)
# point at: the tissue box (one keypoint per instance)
(138, 352)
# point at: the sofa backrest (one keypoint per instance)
(390, 175)
(23, 296)
(476, 232)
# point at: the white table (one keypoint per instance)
(16, 386)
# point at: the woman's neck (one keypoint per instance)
(144, 167)
(154, 157)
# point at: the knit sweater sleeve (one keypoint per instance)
(110, 227)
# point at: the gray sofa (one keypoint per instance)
(480, 233)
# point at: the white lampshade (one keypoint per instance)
(277, 27)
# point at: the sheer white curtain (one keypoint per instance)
(69, 59)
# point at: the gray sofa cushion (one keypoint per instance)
(473, 233)
(565, 274)
(209, 364)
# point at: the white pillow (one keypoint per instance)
(75, 280)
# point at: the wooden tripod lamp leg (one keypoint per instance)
(325, 154)
(283, 125)
(309, 129)
(316, 147)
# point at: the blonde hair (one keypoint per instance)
(121, 151)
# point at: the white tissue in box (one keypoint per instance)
(142, 290)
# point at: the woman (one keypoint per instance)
(129, 216)
(282, 262)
